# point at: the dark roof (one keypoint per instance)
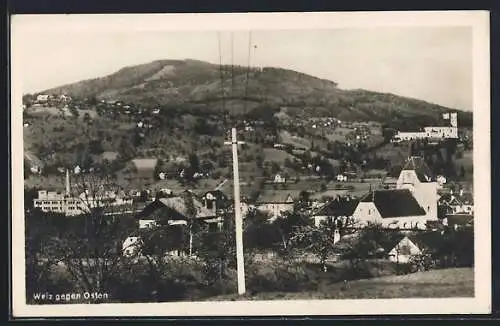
(277, 196)
(465, 199)
(174, 208)
(417, 164)
(340, 206)
(394, 203)
(460, 219)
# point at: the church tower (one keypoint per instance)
(417, 177)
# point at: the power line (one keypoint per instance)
(222, 82)
(248, 71)
(232, 64)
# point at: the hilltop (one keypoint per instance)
(173, 110)
(203, 86)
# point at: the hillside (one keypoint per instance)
(197, 83)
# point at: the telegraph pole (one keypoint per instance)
(237, 214)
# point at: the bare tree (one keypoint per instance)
(90, 246)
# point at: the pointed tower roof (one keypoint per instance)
(417, 164)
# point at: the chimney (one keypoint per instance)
(68, 190)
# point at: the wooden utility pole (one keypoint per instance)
(237, 214)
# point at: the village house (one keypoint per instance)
(340, 209)
(215, 201)
(403, 249)
(275, 203)
(459, 221)
(175, 211)
(42, 98)
(461, 203)
(279, 179)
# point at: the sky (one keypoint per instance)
(428, 63)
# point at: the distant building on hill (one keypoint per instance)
(450, 131)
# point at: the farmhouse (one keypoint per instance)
(403, 249)
(175, 211)
(275, 203)
(462, 203)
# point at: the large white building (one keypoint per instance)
(70, 205)
(445, 132)
(410, 205)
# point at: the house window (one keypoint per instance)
(210, 204)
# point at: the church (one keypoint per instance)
(409, 206)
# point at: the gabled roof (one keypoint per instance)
(394, 203)
(417, 164)
(276, 197)
(175, 208)
(456, 199)
(340, 206)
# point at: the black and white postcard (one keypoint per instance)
(250, 164)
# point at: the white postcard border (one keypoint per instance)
(478, 20)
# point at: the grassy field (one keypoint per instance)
(298, 142)
(453, 282)
(276, 155)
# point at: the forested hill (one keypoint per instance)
(203, 85)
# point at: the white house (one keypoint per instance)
(275, 204)
(279, 179)
(341, 178)
(404, 250)
(130, 246)
(143, 224)
(42, 98)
